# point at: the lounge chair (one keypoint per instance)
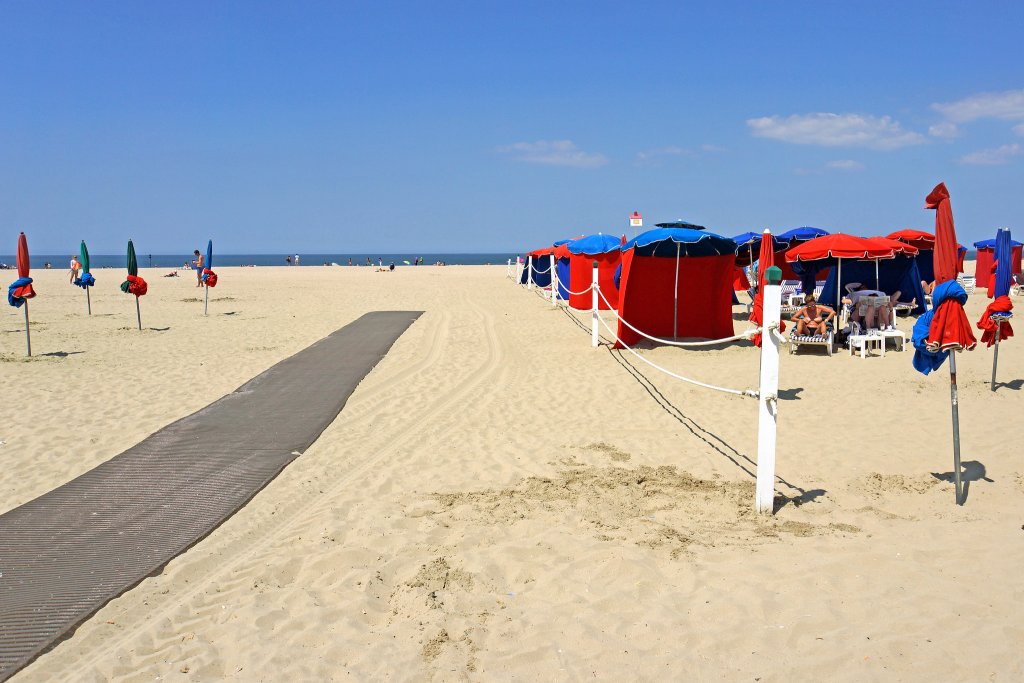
(967, 282)
(796, 340)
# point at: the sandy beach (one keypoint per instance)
(500, 501)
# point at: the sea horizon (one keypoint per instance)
(229, 260)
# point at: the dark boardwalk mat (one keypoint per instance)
(67, 553)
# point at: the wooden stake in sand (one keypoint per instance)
(529, 272)
(768, 392)
(554, 282)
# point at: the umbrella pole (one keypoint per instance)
(28, 336)
(675, 300)
(138, 313)
(206, 303)
(839, 286)
(956, 426)
(995, 356)
(88, 301)
(878, 282)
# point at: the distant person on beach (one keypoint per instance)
(380, 262)
(75, 267)
(368, 261)
(296, 259)
(197, 263)
(350, 260)
(392, 266)
(288, 260)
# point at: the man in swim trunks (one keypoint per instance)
(813, 318)
(198, 265)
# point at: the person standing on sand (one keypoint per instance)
(75, 267)
(296, 259)
(350, 260)
(288, 260)
(197, 263)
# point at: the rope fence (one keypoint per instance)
(766, 394)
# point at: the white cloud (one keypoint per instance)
(835, 130)
(845, 165)
(1019, 129)
(944, 130)
(553, 153)
(712, 149)
(993, 157)
(1008, 105)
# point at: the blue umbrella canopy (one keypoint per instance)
(679, 224)
(209, 255)
(991, 244)
(691, 241)
(801, 234)
(595, 244)
(1004, 269)
(752, 240)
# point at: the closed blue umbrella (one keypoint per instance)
(1004, 276)
(1004, 268)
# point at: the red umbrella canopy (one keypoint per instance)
(839, 245)
(897, 246)
(946, 257)
(916, 238)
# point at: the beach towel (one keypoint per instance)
(19, 291)
(942, 328)
(87, 280)
(134, 285)
(988, 326)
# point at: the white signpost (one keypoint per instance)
(636, 221)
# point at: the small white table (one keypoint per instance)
(900, 337)
(863, 341)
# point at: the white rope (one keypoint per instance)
(569, 291)
(538, 271)
(738, 392)
(745, 334)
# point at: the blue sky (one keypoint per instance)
(483, 126)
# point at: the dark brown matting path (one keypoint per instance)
(67, 553)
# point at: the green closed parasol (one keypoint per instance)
(86, 280)
(134, 284)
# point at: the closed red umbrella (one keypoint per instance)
(765, 260)
(21, 290)
(945, 328)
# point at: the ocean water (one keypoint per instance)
(220, 260)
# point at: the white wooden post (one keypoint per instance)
(594, 300)
(768, 392)
(529, 271)
(554, 282)
(519, 269)
(508, 268)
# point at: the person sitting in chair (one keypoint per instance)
(871, 306)
(813, 318)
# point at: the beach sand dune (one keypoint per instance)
(500, 501)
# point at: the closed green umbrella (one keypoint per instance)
(86, 280)
(134, 284)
